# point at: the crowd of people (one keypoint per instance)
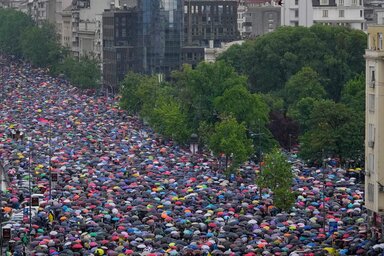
(123, 190)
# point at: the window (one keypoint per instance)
(296, 2)
(324, 2)
(361, 13)
(372, 73)
(341, 2)
(371, 165)
(354, 2)
(325, 13)
(371, 189)
(296, 13)
(371, 133)
(341, 13)
(371, 102)
(380, 40)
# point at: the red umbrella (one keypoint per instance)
(77, 246)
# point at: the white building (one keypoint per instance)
(81, 27)
(297, 13)
(349, 13)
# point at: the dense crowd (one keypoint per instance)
(123, 190)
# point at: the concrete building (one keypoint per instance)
(120, 45)
(297, 13)
(80, 27)
(374, 127)
(373, 12)
(261, 17)
(349, 13)
(208, 24)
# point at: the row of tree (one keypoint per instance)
(312, 79)
(21, 37)
(296, 85)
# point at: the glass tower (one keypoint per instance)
(160, 35)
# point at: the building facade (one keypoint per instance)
(208, 24)
(374, 127)
(349, 13)
(120, 42)
(260, 18)
(146, 39)
(297, 13)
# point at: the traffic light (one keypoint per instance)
(6, 233)
(35, 201)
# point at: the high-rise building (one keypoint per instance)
(374, 127)
(149, 43)
(160, 35)
(208, 24)
(120, 42)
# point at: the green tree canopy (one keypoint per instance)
(353, 93)
(13, 24)
(301, 112)
(334, 52)
(168, 119)
(197, 88)
(330, 122)
(40, 47)
(83, 73)
(244, 106)
(230, 138)
(305, 83)
(275, 172)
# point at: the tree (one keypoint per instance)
(276, 172)
(283, 198)
(244, 106)
(334, 52)
(301, 111)
(168, 119)
(230, 138)
(197, 88)
(12, 27)
(330, 125)
(305, 83)
(40, 47)
(353, 93)
(128, 89)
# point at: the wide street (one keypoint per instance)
(123, 190)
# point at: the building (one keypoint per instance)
(120, 42)
(211, 54)
(348, 13)
(373, 12)
(147, 39)
(374, 127)
(260, 17)
(208, 24)
(297, 13)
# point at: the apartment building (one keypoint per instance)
(349, 13)
(374, 127)
(260, 17)
(208, 24)
(297, 13)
